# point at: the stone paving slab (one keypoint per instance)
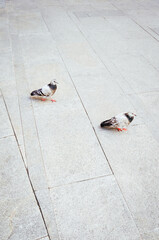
(47, 207)
(44, 238)
(73, 47)
(135, 165)
(151, 103)
(24, 5)
(21, 219)
(37, 48)
(27, 22)
(108, 103)
(34, 160)
(69, 132)
(139, 73)
(5, 127)
(150, 73)
(67, 117)
(9, 91)
(93, 209)
(147, 113)
(105, 56)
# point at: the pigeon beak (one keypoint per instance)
(56, 82)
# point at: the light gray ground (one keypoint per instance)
(61, 176)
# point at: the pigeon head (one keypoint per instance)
(130, 116)
(53, 82)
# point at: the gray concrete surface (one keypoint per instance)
(62, 177)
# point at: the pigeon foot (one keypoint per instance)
(119, 129)
(125, 129)
(43, 99)
(52, 100)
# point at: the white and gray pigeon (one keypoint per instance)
(45, 92)
(119, 122)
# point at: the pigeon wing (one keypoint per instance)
(110, 123)
(46, 91)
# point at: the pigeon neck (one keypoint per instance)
(53, 87)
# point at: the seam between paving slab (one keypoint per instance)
(41, 153)
(11, 47)
(130, 102)
(93, 49)
(146, 117)
(42, 237)
(80, 100)
(7, 136)
(90, 119)
(119, 72)
(135, 22)
(84, 180)
(38, 202)
(26, 169)
(96, 134)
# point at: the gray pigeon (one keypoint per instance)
(119, 122)
(45, 92)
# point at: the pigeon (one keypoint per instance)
(119, 122)
(45, 92)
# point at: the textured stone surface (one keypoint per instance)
(47, 208)
(28, 22)
(92, 210)
(135, 165)
(32, 146)
(5, 127)
(68, 134)
(104, 54)
(20, 217)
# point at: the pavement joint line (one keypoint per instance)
(107, 68)
(84, 180)
(83, 106)
(31, 101)
(13, 68)
(38, 204)
(39, 140)
(27, 170)
(41, 237)
(88, 117)
(90, 45)
(135, 22)
(18, 102)
(79, 95)
(12, 135)
(45, 223)
(150, 63)
(144, 30)
(153, 30)
(137, 93)
(98, 138)
(140, 103)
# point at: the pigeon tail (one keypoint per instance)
(106, 123)
(33, 93)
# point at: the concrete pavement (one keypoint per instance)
(62, 177)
